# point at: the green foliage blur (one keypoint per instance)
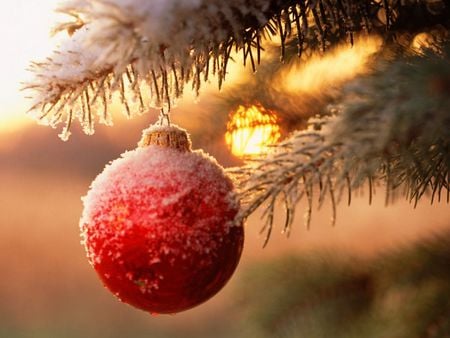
(402, 294)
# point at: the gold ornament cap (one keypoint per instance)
(168, 136)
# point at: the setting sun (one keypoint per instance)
(251, 130)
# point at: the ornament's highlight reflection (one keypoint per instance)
(251, 130)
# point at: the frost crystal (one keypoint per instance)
(124, 46)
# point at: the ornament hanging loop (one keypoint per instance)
(166, 135)
(164, 118)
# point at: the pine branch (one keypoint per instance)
(391, 128)
(158, 48)
(331, 295)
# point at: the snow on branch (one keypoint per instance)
(147, 51)
(392, 127)
(159, 46)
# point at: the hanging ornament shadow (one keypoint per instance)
(160, 224)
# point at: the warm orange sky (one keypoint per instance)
(25, 26)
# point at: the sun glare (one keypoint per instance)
(25, 27)
(337, 66)
(251, 131)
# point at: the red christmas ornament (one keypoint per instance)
(159, 224)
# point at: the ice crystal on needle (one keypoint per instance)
(126, 46)
(160, 46)
(62, 83)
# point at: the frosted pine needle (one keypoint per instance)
(147, 51)
(391, 127)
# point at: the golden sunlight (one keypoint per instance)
(25, 27)
(422, 42)
(251, 130)
(333, 68)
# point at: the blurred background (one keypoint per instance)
(351, 280)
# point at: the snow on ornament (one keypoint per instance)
(160, 224)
